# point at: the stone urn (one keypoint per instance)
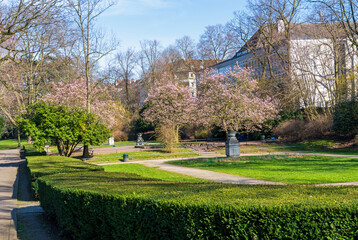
(232, 145)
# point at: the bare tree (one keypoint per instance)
(92, 44)
(127, 62)
(217, 43)
(265, 31)
(186, 47)
(345, 12)
(18, 17)
(149, 58)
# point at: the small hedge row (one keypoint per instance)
(102, 205)
(39, 166)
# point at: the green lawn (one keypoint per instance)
(321, 146)
(11, 144)
(143, 155)
(150, 172)
(292, 170)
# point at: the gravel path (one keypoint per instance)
(9, 162)
(205, 174)
(21, 217)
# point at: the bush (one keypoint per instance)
(39, 166)
(195, 132)
(304, 129)
(2, 124)
(168, 136)
(345, 120)
(126, 206)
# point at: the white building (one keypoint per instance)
(317, 58)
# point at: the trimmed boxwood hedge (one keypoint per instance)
(39, 166)
(102, 205)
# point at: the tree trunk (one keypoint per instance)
(18, 138)
(85, 152)
(29, 138)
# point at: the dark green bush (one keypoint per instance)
(345, 120)
(125, 206)
(39, 166)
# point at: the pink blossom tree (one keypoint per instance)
(74, 94)
(232, 101)
(170, 105)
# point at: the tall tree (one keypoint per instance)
(345, 12)
(265, 29)
(125, 69)
(149, 59)
(186, 47)
(232, 101)
(92, 45)
(217, 43)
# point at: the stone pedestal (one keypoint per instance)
(111, 141)
(232, 145)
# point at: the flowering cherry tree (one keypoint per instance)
(74, 94)
(231, 100)
(170, 105)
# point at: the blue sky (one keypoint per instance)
(165, 20)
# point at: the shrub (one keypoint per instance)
(345, 120)
(168, 136)
(304, 129)
(2, 124)
(62, 126)
(126, 206)
(39, 166)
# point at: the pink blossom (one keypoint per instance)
(74, 94)
(230, 100)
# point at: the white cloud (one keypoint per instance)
(139, 7)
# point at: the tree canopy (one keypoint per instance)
(62, 126)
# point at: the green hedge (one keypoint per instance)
(125, 206)
(39, 166)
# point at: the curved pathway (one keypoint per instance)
(206, 174)
(200, 173)
(223, 177)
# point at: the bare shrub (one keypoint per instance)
(296, 130)
(168, 136)
(119, 135)
(196, 132)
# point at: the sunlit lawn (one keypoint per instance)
(150, 172)
(299, 169)
(11, 143)
(143, 155)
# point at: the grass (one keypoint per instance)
(149, 172)
(291, 170)
(143, 155)
(11, 144)
(321, 146)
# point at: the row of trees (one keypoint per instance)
(232, 101)
(50, 51)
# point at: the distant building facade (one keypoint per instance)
(316, 59)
